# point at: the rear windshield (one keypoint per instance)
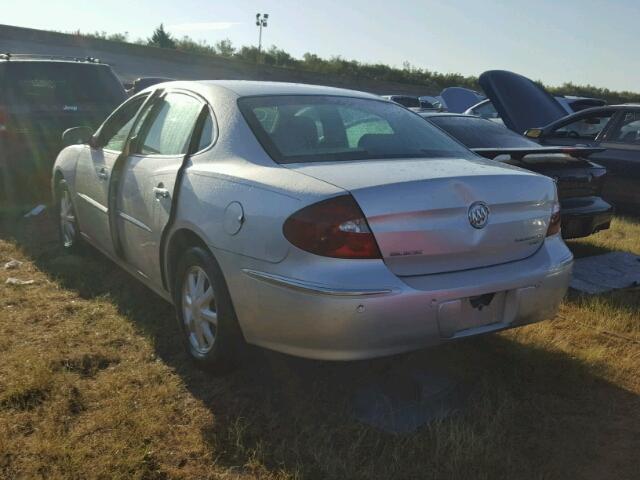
(409, 102)
(41, 85)
(481, 133)
(315, 128)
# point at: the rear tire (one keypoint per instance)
(206, 317)
(68, 230)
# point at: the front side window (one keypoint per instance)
(628, 131)
(587, 128)
(316, 128)
(115, 131)
(170, 131)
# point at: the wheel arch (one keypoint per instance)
(58, 176)
(176, 243)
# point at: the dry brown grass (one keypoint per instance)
(93, 384)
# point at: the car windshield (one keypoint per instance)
(315, 128)
(481, 133)
(42, 85)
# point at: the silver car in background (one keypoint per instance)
(315, 221)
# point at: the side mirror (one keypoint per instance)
(77, 136)
(533, 133)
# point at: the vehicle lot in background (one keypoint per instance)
(94, 385)
(458, 99)
(39, 99)
(408, 101)
(485, 109)
(525, 107)
(614, 128)
(579, 181)
(141, 83)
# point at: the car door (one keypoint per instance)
(93, 170)
(144, 194)
(622, 159)
(585, 129)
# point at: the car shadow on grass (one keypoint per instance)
(529, 411)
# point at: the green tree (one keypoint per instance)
(249, 54)
(225, 48)
(161, 38)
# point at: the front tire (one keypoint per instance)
(69, 233)
(206, 316)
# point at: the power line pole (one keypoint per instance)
(261, 21)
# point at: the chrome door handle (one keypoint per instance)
(103, 173)
(160, 192)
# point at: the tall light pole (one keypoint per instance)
(261, 21)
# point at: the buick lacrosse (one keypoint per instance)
(319, 222)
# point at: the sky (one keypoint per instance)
(582, 41)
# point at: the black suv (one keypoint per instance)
(40, 97)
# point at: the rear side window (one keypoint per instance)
(206, 134)
(481, 133)
(61, 85)
(170, 130)
(317, 128)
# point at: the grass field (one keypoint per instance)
(94, 384)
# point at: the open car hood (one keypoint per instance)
(458, 99)
(521, 103)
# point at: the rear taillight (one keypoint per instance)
(554, 221)
(332, 228)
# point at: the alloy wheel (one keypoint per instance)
(67, 220)
(199, 310)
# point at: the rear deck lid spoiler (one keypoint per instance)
(520, 153)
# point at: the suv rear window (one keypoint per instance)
(41, 85)
(318, 128)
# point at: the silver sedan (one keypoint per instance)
(315, 221)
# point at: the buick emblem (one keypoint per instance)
(479, 214)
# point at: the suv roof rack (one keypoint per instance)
(34, 56)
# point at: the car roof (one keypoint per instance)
(248, 88)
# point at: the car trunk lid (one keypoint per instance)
(521, 103)
(459, 99)
(419, 210)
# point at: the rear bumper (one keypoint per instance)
(583, 216)
(385, 314)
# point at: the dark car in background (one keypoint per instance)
(141, 83)
(580, 181)
(41, 97)
(526, 108)
(616, 130)
(408, 101)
